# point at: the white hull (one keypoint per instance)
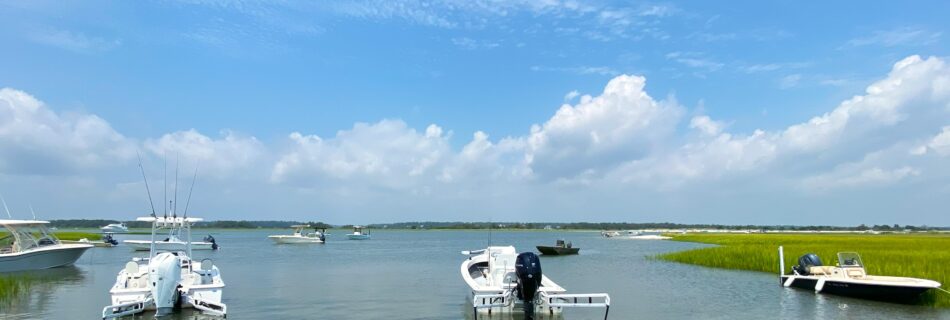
(294, 239)
(145, 245)
(43, 258)
(114, 230)
(358, 236)
(649, 237)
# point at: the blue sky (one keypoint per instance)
(372, 111)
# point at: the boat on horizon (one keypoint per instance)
(358, 234)
(115, 228)
(560, 248)
(502, 280)
(298, 236)
(29, 245)
(849, 278)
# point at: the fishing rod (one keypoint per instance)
(175, 207)
(193, 179)
(147, 190)
(5, 206)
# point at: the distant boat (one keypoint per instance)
(849, 278)
(107, 241)
(317, 236)
(28, 245)
(358, 234)
(115, 228)
(172, 243)
(645, 235)
(560, 248)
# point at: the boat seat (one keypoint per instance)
(132, 268)
(855, 272)
(826, 270)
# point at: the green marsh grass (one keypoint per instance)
(924, 256)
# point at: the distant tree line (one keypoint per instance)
(251, 224)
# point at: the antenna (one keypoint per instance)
(146, 184)
(5, 207)
(175, 207)
(32, 212)
(187, 202)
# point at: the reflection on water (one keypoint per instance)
(34, 291)
(415, 275)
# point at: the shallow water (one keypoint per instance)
(415, 275)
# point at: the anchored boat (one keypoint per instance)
(167, 280)
(29, 245)
(317, 236)
(848, 278)
(106, 242)
(115, 228)
(501, 279)
(172, 242)
(358, 234)
(559, 248)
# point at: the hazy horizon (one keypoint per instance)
(368, 112)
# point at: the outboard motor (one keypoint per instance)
(528, 270)
(214, 245)
(323, 236)
(805, 262)
(108, 239)
(164, 273)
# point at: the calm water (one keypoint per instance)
(415, 275)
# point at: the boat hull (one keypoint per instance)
(557, 251)
(43, 258)
(357, 236)
(145, 245)
(879, 292)
(294, 240)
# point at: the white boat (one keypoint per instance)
(848, 278)
(115, 228)
(29, 245)
(501, 279)
(358, 234)
(171, 243)
(317, 236)
(167, 280)
(646, 235)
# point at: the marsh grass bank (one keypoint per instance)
(909, 255)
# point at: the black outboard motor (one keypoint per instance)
(108, 239)
(214, 245)
(528, 269)
(805, 262)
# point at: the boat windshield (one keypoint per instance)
(850, 260)
(25, 237)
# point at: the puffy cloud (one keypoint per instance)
(940, 143)
(387, 154)
(230, 156)
(849, 177)
(36, 140)
(598, 133)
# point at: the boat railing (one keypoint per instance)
(492, 300)
(577, 300)
(124, 309)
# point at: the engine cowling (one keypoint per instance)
(164, 273)
(528, 270)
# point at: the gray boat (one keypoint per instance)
(29, 245)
